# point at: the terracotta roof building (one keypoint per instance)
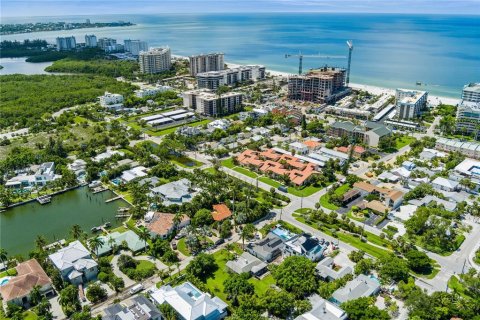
(162, 224)
(221, 212)
(29, 274)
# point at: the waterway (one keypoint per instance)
(19, 226)
(19, 65)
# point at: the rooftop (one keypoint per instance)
(361, 286)
(221, 212)
(162, 223)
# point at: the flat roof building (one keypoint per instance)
(66, 43)
(471, 92)
(214, 79)
(210, 104)
(410, 103)
(206, 63)
(155, 60)
(321, 86)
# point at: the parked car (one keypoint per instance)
(136, 288)
(219, 241)
(283, 188)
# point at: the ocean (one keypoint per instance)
(390, 50)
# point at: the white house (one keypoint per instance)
(134, 173)
(444, 184)
(304, 245)
(189, 302)
(44, 174)
(361, 286)
(75, 263)
(222, 124)
(151, 91)
(111, 101)
(176, 192)
(324, 310)
(298, 147)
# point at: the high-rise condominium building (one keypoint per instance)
(90, 41)
(468, 111)
(135, 46)
(471, 92)
(206, 62)
(410, 103)
(155, 60)
(321, 85)
(208, 103)
(214, 79)
(107, 44)
(66, 43)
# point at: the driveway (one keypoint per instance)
(128, 282)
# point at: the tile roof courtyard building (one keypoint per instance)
(29, 274)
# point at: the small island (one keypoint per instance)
(55, 26)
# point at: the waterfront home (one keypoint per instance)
(189, 302)
(138, 308)
(78, 167)
(176, 192)
(134, 173)
(247, 263)
(163, 224)
(75, 263)
(130, 238)
(44, 174)
(328, 270)
(221, 212)
(324, 310)
(17, 289)
(304, 245)
(361, 286)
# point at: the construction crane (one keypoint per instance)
(301, 56)
(350, 49)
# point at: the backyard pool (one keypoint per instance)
(4, 281)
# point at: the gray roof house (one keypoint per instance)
(190, 303)
(176, 192)
(324, 310)
(247, 263)
(267, 249)
(304, 245)
(136, 308)
(75, 263)
(134, 243)
(361, 286)
(326, 270)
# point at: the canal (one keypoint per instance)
(19, 226)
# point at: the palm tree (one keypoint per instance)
(4, 258)
(76, 231)
(111, 243)
(95, 244)
(248, 231)
(144, 234)
(35, 295)
(40, 242)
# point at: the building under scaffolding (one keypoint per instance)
(322, 85)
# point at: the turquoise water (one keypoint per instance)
(390, 50)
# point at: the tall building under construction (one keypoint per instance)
(321, 85)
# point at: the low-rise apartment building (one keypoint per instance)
(469, 149)
(369, 133)
(229, 77)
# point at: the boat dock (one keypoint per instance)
(122, 212)
(99, 189)
(44, 199)
(113, 199)
(103, 227)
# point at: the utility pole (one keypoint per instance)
(350, 49)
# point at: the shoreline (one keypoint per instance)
(433, 100)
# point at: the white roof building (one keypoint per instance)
(174, 192)
(190, 303)
(361, 286)
(222, 124)
(442, 183)
(324, 310)
(106, 155)
(131, 174)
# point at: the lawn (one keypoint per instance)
(174, 128)
(185, 162)
(325, 202)
(145, 265)
(210, 170)
(246, 172)
(403, 141)
(215, 283)
(182, 247)
(228, 163)
(27, 315)
(455, 284)
(270, 182)
(303, 191)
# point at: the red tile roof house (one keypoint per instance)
(221, 212)
(269, 161)
(29, 274)
(162, 224)
(358, 151)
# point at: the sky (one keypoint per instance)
(26, 8)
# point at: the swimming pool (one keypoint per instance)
(4, 281)
(282, 233)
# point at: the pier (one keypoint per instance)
(99, 189)
(113, 199)
(44, 199)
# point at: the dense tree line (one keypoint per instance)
(104, 67)
(24, 99)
